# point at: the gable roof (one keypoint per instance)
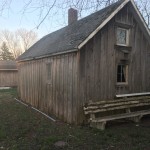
(8, 65)
(75, 36)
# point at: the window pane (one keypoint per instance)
(121, 73)
(119, 78)
(123, 78)
(119, 69)
(124, 73)
(121, 36)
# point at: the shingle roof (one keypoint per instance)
(69, 37)
(7, 65)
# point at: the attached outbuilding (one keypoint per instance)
(8, 73)
(95, 58)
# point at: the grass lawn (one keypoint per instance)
(24, 129)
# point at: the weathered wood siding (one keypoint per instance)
(8, 78)
(57, 95)
(99, 59)
(90, 74)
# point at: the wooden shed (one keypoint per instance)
(8, 73)
(95, 58)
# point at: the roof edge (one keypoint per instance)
(140, 16)
(104, 23)
(44, 56)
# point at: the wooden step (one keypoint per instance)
(115, 107)
(121, 116)
(105, 105)
(117, 100)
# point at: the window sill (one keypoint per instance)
(121, 84)
(123, 25)
(124, 45)
(123, 48)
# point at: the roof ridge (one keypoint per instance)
(104, 8)
(84, 18)
(70, 36)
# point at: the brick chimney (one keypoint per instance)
(72, 15)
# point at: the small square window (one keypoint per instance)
(122, 36)
(122, 74)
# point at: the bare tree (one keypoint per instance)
(5, 5)
(5, 54)
(12, 42)
(27, 38)
(18, 41)
(145, 10)
(48, 8)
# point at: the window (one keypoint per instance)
(48, 68)
(122, 74)
(122, 36)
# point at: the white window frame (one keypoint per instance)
(127, 36)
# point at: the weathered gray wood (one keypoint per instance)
(102, 76)
(89, 74)
(65, 89)
(109, 105)
(98, 125)
(132, 94)
(58, 97)
(122, 116)
(8, 78)
(116, 108)
(70, 61)
(92, 116)
(117, 100)
(125, 104)
(136, 119)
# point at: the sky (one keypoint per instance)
(14, 18)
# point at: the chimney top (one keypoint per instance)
(72, 15)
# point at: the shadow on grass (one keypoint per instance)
(24, 129)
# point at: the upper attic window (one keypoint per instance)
(122, 36)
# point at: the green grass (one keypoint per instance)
(24, 129)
